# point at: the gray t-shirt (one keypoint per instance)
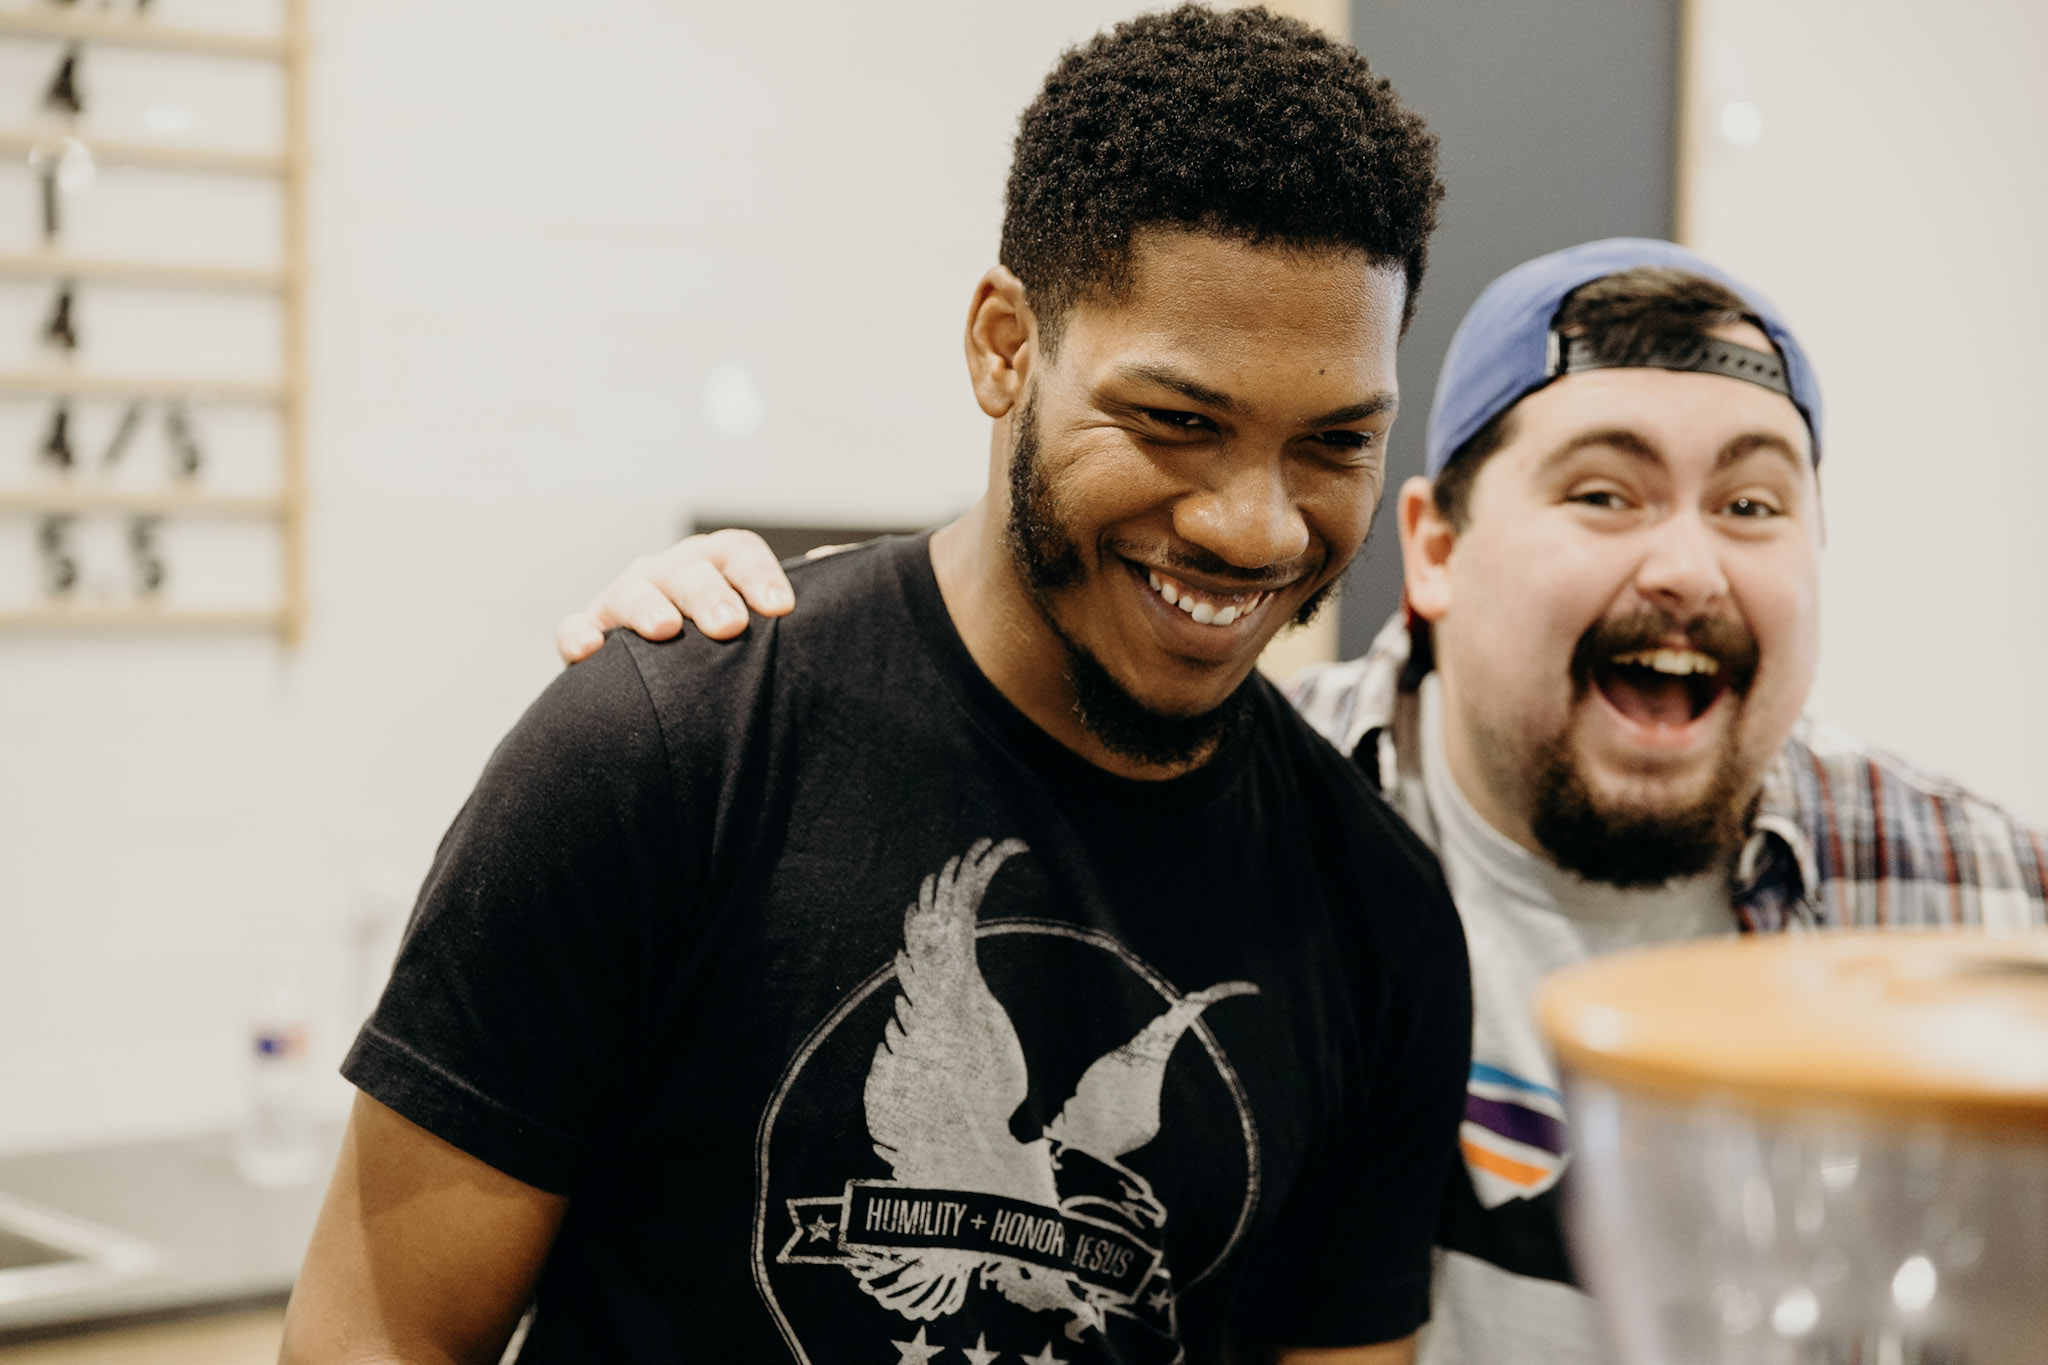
(1525, 918)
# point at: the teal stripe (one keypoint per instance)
(1493, 1075)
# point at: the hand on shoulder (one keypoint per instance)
(709, 579)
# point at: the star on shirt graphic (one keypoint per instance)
(979, 1353)
(1045, 1357)
(916, 1351)
(821, 1228)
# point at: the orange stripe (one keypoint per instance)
(1520, 1172)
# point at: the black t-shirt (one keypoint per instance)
(862, 1021)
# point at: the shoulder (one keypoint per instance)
(874, 565)
(849, 603)
(581, 785)
(1894, 843)
(594, 727)
(1354, 832)
(1847, 781)
(1343, 700)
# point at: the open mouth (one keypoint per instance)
(1661, 687)
(1202, 607)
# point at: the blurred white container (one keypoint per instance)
(1804, 1150)
(274, 1148)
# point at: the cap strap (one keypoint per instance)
(1704, 355)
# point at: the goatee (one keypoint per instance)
(1048, 560)
(1634, 845)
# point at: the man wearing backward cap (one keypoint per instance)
(1590, 706)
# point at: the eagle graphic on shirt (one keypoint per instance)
(1056, 1223)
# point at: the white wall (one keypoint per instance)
(1893, 203)
(536, 228)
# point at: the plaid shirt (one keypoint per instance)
(1843, 835)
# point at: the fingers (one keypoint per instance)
(577, 638)
(713, 579)
(700, 590)
(631, 601)
(638, 604)
(750, 566)
(709, 579)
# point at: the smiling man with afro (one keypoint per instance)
(984, 963)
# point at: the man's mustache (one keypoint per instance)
(1724, 639)
(1196, 561)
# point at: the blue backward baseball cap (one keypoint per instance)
(1505, 349)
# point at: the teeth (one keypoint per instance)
(1677, 662)
(1203, 613)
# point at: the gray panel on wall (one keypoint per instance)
(1556, 119)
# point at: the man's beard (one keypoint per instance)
(1048, 560)
(1630, 844)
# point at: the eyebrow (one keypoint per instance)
(1633, 445)
(1356, 412)
(1167, 378)
(1749, 443)
(1619, 439)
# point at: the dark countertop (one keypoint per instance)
(215, 1239)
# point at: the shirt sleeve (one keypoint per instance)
(512, 1017)
(1348, 1264)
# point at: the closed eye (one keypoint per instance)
(1179, 421)
(1599, 497)
(1348, 440)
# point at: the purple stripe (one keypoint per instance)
(1525, 1126)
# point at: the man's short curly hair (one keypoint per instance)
(1242, 123)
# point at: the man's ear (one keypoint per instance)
(1002, 341)
(1427, 540)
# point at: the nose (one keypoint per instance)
(1681, 570)
(1245, 514)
